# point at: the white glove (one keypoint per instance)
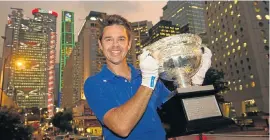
(198, 78)
(149, 68)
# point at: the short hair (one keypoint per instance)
(116, 20)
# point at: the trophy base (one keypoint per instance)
(192, 110)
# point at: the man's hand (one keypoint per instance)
(149, 67)
(198, 78)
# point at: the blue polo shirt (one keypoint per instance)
(106, 90)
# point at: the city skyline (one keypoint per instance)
(132, 10)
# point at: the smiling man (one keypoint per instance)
(123, 98)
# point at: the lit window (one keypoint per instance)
(221, 14)
(224, 55)
(229, 53)
(235, 88)
(225, 33)
(219, 31)
(226, 10)
(251, 76)
(225, 63)
(259, 17)
(230, 36)
(226, 39)
(267, 17)
(246, 85)
(235, 1)
(229, 82)
(265, 41)
(216, 39)
(252, 84)
(213, 21)
(240, 87)
(234, 26)
(232, 44)
(209, 24)
(257, 9)
(233, 51)
(213, 41)
(230, 6)
(239, 48)
(245, 44)
(227, 46)
(237, 40)
(231, 13)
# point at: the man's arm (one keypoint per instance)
(122, 119)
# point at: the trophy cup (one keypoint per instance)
(193, 108)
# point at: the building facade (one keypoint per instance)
(32, 58)
(183, 13)
(238, 34)
(160, 30)
(140, 34)
(67, 43)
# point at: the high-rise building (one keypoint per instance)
(162, 29)
(72, 80)
(238, 33)
(56, 85)
(67, 43)
(31, 77)
(183, 13)
(140, 33)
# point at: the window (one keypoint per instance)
(259, 17)
(241, 61)
(266, 47)
(267, 17)
(249, 67)
(260, 24)
(252, 84)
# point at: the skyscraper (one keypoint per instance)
(183, 13)
(160, 30)
(140, 32)
(238, 35)
(31, 77)
(67, 43)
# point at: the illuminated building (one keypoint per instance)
(238, 33)
(183, 13)
(31, 78)
(140, 33)
(67, 43)
(162, 29)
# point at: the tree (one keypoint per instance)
(216, 78)
(12, 125)
(62, 120)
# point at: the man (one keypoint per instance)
(123, 98)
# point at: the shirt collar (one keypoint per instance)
(109, 75)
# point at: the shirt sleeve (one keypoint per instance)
(98, 101)
(162, 92)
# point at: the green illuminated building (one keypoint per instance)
(67, 44)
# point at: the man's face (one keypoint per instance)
(115, 44)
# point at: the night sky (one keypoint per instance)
(132, 10)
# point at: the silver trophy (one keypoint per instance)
(185, 60)
(179, 57)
